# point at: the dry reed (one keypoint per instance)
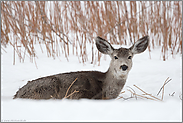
(66, 94)
(64, 26)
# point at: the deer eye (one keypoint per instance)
(129, 57)
(115, 57)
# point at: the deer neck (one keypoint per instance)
(113, 84)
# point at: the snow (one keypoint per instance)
(85, 110)
(148, 74)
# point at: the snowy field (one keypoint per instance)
(148, 74)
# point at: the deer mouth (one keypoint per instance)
(124, 72)
(121, 72)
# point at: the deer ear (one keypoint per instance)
(141, 45)
(104, 46)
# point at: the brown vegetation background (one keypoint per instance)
(64, 26)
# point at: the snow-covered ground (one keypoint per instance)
(148, 74)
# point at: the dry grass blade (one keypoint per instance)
(133, 91)
(172, 94)
(140, 95)
(122, 92)
(71, 94)
(69, 88)
(121, 97)
(163, 89)
(3, 50)
(147, 93)
(166, 81)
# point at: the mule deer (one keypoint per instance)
(87, 84)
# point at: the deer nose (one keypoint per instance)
(124, 67)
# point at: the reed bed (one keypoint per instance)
(67, 27)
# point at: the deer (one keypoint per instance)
(88, 84)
